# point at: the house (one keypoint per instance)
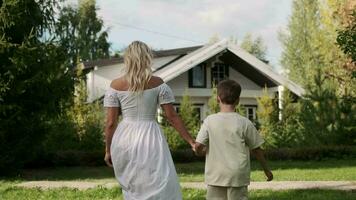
(194, 70)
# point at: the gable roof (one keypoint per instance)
(202, 54)
(172, 53)
(171, 63)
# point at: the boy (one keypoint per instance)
(227, 138)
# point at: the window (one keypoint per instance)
(197, 76)
(219, 72)
(197, 109)
(251, 112)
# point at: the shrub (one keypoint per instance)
(312, 153)
(190, 120)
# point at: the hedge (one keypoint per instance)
(95, 158)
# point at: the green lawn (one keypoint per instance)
(328, 170)
(189, 194)
(283, 170)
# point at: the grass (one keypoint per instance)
(327, 170)
(115, 193)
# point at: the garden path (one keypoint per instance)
(274, 185)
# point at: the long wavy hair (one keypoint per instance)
(138, 61)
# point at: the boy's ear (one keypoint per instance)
(237, 101)
(218, 99)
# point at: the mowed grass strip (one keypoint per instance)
(326, 170)
(189, 194)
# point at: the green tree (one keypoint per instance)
(280, 127)
(35, 79)
(213, 104)
(301, 53)
(255, 46)
(81, 31)
(328, 119)
(87, 117)
(289, 132)
(191, 121)
(347, 39)
(267, 115)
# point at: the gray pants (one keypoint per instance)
(226, 193)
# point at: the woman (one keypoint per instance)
(136, 147)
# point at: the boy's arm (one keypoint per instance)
(254, 141)
(258, 153)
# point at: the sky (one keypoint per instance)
(167, 24)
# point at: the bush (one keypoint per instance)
(62, 135)
(312, 153)
(68, 158)
(190, 120)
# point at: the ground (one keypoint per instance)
(192, 173)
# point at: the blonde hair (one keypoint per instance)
(138, 60)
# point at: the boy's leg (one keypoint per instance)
(237, 193)
(216, 193)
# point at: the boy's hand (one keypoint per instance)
(269, 175)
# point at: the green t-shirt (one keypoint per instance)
(229, 138)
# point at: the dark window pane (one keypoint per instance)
(219, 72)
(197, 76)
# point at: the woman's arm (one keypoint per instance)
(177, 123)
(110, 126)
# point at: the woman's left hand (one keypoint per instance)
(107, 159)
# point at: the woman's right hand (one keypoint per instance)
(107, 159)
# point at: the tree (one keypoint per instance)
(213, 104)
(191, 121)
(80, 31)
(35, 80)
(267, 115)
(255, 47)
(346, 39)
(301, 53)
(327, 119)
(281, 127)
(87, 117)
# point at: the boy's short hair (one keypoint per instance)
(229, 91)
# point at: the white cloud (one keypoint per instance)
(195, 20)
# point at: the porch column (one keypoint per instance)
(280, 100)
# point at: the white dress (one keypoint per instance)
(141, 158)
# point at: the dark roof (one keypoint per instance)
(157, 54)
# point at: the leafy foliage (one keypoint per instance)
(190, 120)
(80, 32)
(82, 123)
(347, 38)
(280, 127)
(213, 104)
(301, 54)
(328, 119)
(34, 78)
(255, 47)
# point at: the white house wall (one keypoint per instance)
(246, 84)
(99, 80)
(180, 85)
